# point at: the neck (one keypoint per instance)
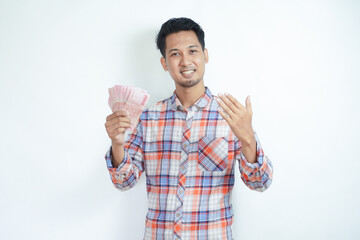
(188, 96)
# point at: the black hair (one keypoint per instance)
(175, 25)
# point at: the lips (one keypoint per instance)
(187, 73)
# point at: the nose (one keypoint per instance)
(185, 60)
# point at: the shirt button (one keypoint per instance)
(186, 145)
(182, 169)
(178, 215)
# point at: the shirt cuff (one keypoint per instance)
(122, 171)
(109, 159)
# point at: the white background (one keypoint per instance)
(299, 61)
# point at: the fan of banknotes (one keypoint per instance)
(132, 100)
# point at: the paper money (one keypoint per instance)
(130, 99)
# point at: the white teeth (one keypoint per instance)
(188, 72)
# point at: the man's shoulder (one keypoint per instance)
(155, 109)
(160, 105)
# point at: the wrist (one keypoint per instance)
(117, 154)
(248, 141)
(117, 145)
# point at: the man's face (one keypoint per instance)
(184, 58)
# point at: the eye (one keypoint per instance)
(175, 54)
(192, 51)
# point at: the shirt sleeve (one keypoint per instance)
(257, 176)
(126, 175)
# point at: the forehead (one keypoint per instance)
(181, 39)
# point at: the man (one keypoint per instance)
(188, 145)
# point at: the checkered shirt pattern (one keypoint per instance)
(189, 159)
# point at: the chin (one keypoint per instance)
(189, 83)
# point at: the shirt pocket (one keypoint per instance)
(213, 154)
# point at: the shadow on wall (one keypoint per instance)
(143, 61)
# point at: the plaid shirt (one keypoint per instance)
(189, 158)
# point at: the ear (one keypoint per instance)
(206, 53)
(163, 63)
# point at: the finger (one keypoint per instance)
(225, 116)
(228, 103)
(117, 131)
(248, 105)
(118, 125)
(234, 101)
(225, 108)
(116, 120)
(120, 113)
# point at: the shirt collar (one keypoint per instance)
(200, 103)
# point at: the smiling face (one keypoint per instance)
(184, 58)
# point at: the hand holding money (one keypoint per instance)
(127, 103)
(129, 99)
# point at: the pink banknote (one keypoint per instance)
(132, 100)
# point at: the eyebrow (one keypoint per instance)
(173, 50)
(191, 46)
